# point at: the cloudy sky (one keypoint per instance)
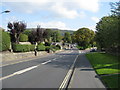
(62, 14)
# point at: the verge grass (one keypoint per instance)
(106, 64)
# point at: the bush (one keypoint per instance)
(58, 46)
(48, 48)
(23, 38)
(32, 47)
(80, 48)
(23, 48)
(41, 47)
(5, 41)
(47, 43)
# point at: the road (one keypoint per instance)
(53, 71)
(47, 72)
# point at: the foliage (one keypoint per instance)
(5, 41)
(41, 47)
(115, 8)
(48, 34)
(56, 36)
(23, 38)
(23, 48)
(84, 37)
(27, 32)
(80, 48)
(67, 37)
(47, 43)
(107, 35)
(58, 46)
(47, 48)
(16, 28)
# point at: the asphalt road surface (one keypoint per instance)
(47, 72)
(51, 71)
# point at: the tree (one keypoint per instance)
(16, 28)
(48, 34)
(83, 37)
(107, 35)
(56, 36)
(67, 37)
(37, 35)
(115, 8)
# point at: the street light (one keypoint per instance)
(7, 11)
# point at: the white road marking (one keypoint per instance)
(46, 62)
(25, 70)
(19, 72)
(66, 79)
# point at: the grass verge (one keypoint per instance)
(106, 64)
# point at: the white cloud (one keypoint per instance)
(51, 24)
(62, 8)
(95, 19)
(90, 5)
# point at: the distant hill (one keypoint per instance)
(55, 29)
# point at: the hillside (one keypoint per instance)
(55, 29)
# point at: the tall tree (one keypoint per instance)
(84, 36)
(48, 34)
(16, 28)
(56, 36)
(67, 37)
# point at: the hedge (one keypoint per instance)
(23, 38)
(41, 47)
(23, 48)
(5, 41)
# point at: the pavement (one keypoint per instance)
(51, 71)
(84, 75)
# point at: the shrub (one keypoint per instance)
(5, 41)
(58, 46)
(80, 48)
(47, 43)
(32, 47)
(23, 38)
(23, 48)
(41, 47)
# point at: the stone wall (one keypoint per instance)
(8, 56)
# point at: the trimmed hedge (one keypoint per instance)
(41, 47)
(23, 38)
(5, 41)
(23, 48)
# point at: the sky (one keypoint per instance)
(61, 14)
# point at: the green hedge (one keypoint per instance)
(23, 48)
(23, 38)
(5, 41)
(41, 47)
(80, 48)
